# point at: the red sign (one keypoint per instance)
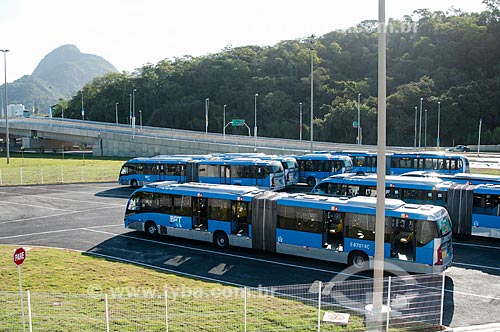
(19, 256)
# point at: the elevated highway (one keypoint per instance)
(109, 139)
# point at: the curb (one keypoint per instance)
(493, 327)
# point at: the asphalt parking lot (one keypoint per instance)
(89, 218)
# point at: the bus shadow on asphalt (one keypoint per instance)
(118, 192)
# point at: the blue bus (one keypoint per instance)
(412, 190)
(399, 163)
(314, 167)
(464, 178)
(417, 239)
(289, 163)
(474, 209)
(266, 174)
(139, 171)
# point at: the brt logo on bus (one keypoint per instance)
(175, 220)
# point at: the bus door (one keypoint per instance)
(403, 239)
(333, 230)
(225, 174)
(260, 175)
(239, 219)
(200, 214)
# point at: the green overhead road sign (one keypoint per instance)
(237, 122)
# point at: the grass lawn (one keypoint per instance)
(67, 295)
(48, 168)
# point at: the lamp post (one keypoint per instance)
(224, 122)
(312, 90)
(439, 120)
(83, 109)
(300, 122)
(207, 102)
(130, 108)
(133, 107)
(415, 137)
(420, 125)
(116, 112)
(425, 130)
(479, 136)
(140, 118)
(359, 120)
(255, 124)
(6, 107)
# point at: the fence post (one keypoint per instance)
(166, 310)
(442, 299)
(388, 303)
(21, 175)
(107, 312)
(29, 310)
(245, 307)
(41, 173)
(319, 306)
(82, 175)
(62, 174)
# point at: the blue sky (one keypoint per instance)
(131, 33)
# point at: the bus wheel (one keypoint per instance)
(360, 173)
(151, 229)
(221, 240)
(359, 260)
(311, 182)
(133, 184)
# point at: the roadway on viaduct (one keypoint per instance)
(109, 139)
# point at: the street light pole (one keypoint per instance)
(415, 138)
(378, 266)
(439, 120)
(130, 108)
(83, 109)
(312, 96)
(6, 107)
(300, 122)
(140, 118)
(207, 102)
(479, 136)
(359, 120)
(116, 112)
(425, 130)
(420, 125)
(255, 124)
(224, 122)
(133, 106)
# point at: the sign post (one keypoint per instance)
(19, 257)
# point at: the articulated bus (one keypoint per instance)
(314, 167)
(290, 166)
(474, 209)
(464, 178)
(399, 163)
(139, 171)
(417, 239)
(267, 174)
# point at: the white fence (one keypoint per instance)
(56, 175)
(415, 302)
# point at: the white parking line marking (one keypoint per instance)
(57, 231)
(475, 245)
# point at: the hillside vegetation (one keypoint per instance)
(451, 58)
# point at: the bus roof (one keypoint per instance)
(390, 180)
(239, 161)
(321, 156)
(201, 189)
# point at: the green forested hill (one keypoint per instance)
(452, 58)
